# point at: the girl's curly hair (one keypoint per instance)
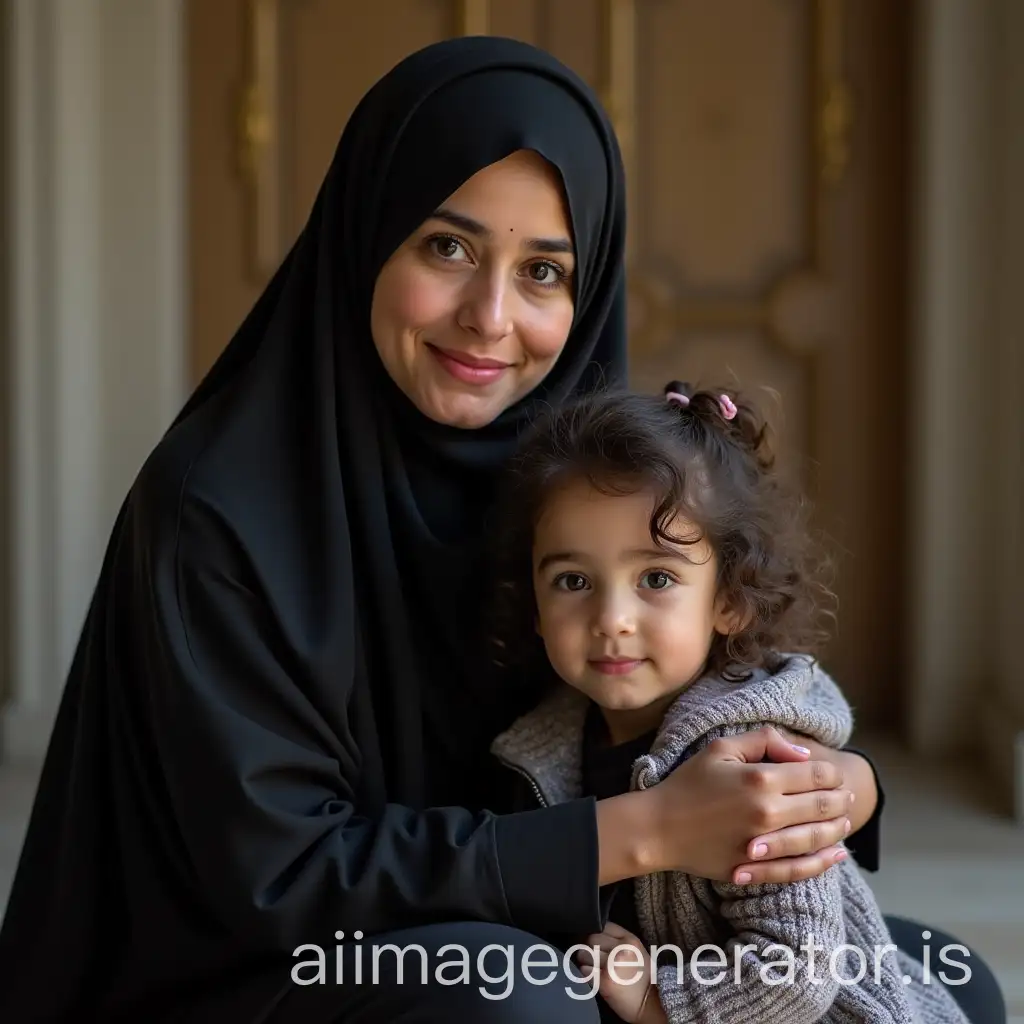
(715, 472)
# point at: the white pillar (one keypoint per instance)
(96, 300)
(1004, 723)
(967, 595)
(949, 405)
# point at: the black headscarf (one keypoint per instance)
(290, 590)
(412, 495)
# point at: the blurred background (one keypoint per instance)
(825, 203)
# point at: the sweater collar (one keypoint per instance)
(546, 744)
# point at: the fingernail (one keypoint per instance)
(761, 849)
(841, 855)
(800, 750)
(743, 877)
(847, 826)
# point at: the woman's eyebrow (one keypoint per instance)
(474, 227)
(463, 223)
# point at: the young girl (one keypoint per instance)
(671, 578)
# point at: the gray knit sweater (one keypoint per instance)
(750, 928)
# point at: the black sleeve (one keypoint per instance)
(866, 843)
(254, 785)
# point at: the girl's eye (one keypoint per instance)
(571, 581)
(448, 247)
(657, 580)
(547, 274)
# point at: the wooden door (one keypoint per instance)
(765, 145)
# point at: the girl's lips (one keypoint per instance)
(616, 666)
(466, 368)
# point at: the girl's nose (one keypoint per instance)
(614, 617)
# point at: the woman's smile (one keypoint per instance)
(466, 368)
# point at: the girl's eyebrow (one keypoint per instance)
(474, 227)
(659, 553)
(558, 556)
(634, 553)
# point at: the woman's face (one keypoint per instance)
(474, 308)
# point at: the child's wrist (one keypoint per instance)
(652, 1012)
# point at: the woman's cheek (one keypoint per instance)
(546, 332)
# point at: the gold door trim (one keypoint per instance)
(618, 33)
(258, 151)
(474, 18)
(258, 143)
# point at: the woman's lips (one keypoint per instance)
(468, 369)
(616, 666)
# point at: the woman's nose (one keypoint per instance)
(486, 310)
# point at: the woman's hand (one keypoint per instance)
(710, 814)
(625, 975)
(857, 772)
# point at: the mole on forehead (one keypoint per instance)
(474, 227)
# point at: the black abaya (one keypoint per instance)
(275, 725)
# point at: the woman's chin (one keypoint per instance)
(460, 410)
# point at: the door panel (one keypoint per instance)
(765, 145)
(334, 52)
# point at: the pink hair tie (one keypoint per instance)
(674, 396)
(728, 408)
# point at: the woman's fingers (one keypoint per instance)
(806, 777)
(774, 813)
(782, 746)
(755, 746)
(799, 840)
(789, 869)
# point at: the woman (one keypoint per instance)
(275, 730)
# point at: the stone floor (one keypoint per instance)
(948, 859)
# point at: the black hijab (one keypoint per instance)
(409, 494)
(284, 630)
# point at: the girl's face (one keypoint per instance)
(626, 623)
(471, 313)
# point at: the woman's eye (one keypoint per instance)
(447, 247)
(571, 581)
(549, 275)
(657, 580)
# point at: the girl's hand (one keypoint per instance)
(625, 975)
